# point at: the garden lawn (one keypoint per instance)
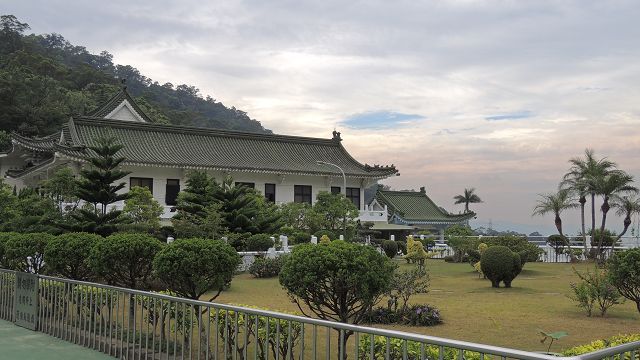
(473, 311)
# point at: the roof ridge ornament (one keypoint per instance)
(336, 136)
(123, 84)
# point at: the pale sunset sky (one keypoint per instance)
(495, 95)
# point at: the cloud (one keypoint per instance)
(380, 120)
(518, 115)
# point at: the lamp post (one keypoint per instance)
(344, 186)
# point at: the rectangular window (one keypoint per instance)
(302, 194)
(353, 194)
(141, 182)
(247, 184)
(335, 190)
(173, 189)
(270, 192)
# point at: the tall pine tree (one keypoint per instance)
(98, 187)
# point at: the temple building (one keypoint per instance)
(400, 213)
(159, 157)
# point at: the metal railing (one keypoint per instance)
(133, 324)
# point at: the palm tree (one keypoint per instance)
(627, 206)
(575, 185)
(468, 198)
(582, 177)
(556, 204)
(613, 184)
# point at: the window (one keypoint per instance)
(141, 182)
(302, 194)
(247, 184)
(171, 195)
(353, 194)
(270, 192)
(335, 190)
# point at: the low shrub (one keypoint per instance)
(594, 289)
(26, 252)
(390, 248)
(624, 273)
(422, 315)
(259, 242)
(330, 234)
(238, 240)
(382, 315)
(390, 348)
(267, 267)
(528, 252)
(4, 238)
(414, 315)
(449, 259)
(68, 255)
(500, 264)
(602, 344)
(299, 237)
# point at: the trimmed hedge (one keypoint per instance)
(19, 247)
(601, 344)
(390, 248)
(68, 254)
(259, 242)
(266, 267)
(500, 264)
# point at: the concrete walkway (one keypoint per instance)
(24, 344)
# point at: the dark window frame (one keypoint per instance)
(270, 195)
(335, 190)
(138, 179)
(303, 194)
(173, 201)
(355, 199)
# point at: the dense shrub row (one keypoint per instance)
(189, 267)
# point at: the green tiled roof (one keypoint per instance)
(415, 207)
(149, 144)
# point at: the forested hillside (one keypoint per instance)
(44, 79)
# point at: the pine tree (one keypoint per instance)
(98, 188)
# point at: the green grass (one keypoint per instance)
(473, 311)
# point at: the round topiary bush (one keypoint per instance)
(390, 248)
(499, 264)
(68, 255)
(259, 242)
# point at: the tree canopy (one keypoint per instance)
(44, 79)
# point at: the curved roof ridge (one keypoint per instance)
(202, 130)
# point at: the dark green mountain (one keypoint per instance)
(44, 79)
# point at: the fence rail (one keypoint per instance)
(133, 324)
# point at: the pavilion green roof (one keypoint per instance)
(149, 144)
(415, 207)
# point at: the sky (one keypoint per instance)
(494, 95)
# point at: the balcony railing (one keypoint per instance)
(133, 324)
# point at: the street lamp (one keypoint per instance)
(344, 186)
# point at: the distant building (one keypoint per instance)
(159, 157)
(408, 211)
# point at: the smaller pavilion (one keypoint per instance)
(412, 210)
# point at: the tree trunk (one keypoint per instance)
(627, 222)
(583, 200)
(593, 215)
(605, 209)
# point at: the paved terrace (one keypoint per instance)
(24, 344)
